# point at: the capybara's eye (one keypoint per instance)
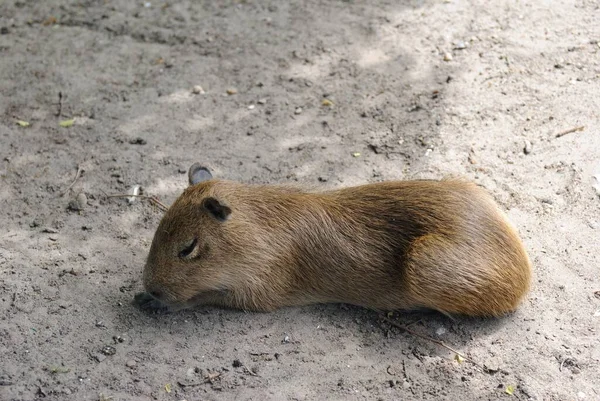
(185, 252)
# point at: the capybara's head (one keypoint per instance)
(190, 252)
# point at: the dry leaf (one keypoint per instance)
(459, 358)
(23, 123)
(327, 102)
(168, 387)
(49, 21)
(355, 154)
(510, 390)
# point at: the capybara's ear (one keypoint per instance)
(218, 210)
(197, 173)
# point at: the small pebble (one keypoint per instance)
(447, 56)
(460, 45)
(198, 90)
(137, 141)
(231, 91)
(298, 110)
(528, 147)
(236, 363)
(262, 101)
(440, 331)
(108, 350)
(99, 357)
(131, 364)
(79, 203)
(251, 107)
(286, 339)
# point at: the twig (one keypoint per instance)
(59, 112)
(568, 131)
(251, 373)
(79, 170)
(150, 198)
(433, 340)
(566, 360)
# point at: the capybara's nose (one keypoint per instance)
(156, 294)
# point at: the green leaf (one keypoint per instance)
(510, 390)
(59, 369)
(459, 358)
(67, 123)
(23, 123)
(168, 387)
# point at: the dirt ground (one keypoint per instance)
(327, 94)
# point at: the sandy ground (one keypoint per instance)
(417, 89)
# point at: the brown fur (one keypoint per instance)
(441, 245)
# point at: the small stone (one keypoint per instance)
(82, 199)
(286, 339)
(4, 30)
(79, 203)
(447, 56)
(198, 90)
(137, 141)
(237, 363)
(131, 364)
(251, 107)
(99, 357)
(298, 110)
(108, 350)
(528, 147)
(49, 230)
(440, 331)
(231, 91)
(262, 101)
(460, 45)
(405, 385)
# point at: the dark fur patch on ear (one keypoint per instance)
(216, 209)
(197, 173)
